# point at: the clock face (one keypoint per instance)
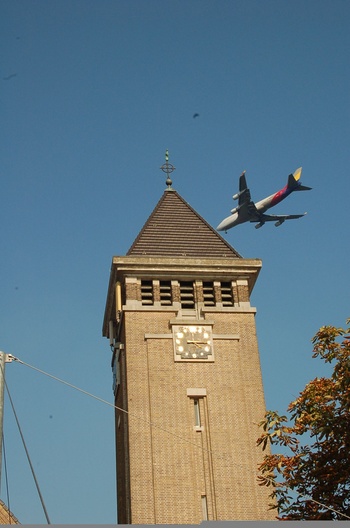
(193, 342)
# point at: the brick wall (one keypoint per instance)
(173, 465)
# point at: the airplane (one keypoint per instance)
(248, 211)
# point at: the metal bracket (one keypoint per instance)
(9, 358)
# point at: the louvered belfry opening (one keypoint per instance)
(208, 294)
(226, 294)
(147, 292)
(165, 293)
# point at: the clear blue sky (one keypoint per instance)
(92, 94)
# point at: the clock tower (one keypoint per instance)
(186, 373)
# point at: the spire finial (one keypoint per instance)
(168, 168)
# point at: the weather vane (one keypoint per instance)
(168, 168)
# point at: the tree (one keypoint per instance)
(311, 479)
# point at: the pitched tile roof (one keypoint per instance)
(7, 517)
(175, 229)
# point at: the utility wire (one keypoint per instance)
(28, 457)
(112, 405)
(13, 358)
(308, 498)
(328, 507)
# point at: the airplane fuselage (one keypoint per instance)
(273, 199)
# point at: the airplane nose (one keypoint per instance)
(221, 226)
(228, 222)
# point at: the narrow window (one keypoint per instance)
(197, 396)
(204, 507)
(208, 294)
(226, 294)
(146, 292)
(197, 414)
(187, 295)
(165, 293)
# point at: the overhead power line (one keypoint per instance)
(28, 457)
(13, 358)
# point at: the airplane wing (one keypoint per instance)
(246, 207)
(278, 219)
(244, 192)
(271, 218)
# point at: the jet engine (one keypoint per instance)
(236, 196)
(279, 222)
(260, 224)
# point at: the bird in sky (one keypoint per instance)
(9, 76)
(195, 115)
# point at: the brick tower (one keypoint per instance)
(187, 380)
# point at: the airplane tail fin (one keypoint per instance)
(293, 179)
(297, 174)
